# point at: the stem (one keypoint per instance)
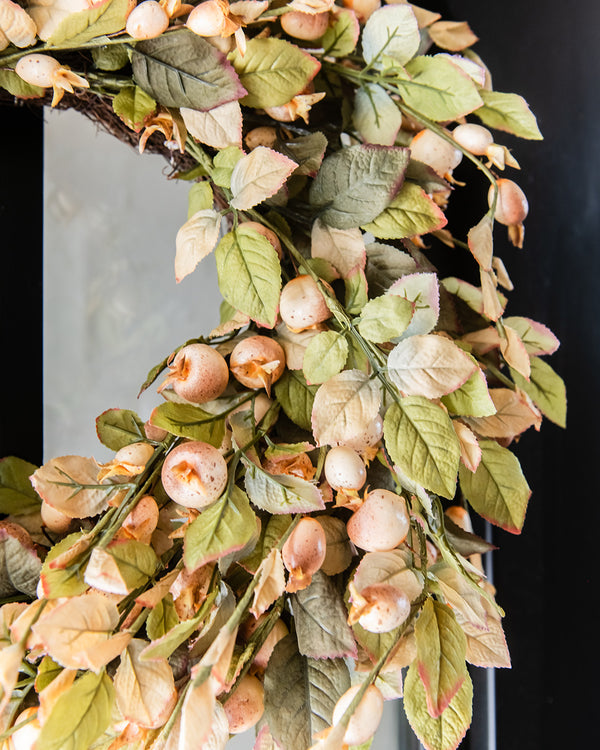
(12, 730)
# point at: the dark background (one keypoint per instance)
(547, 52)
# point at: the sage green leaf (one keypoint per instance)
(80, 714)
(509, 112)
(438, 89)
(137, 562)
(281, 493)
(224, 162)
(441, 651)
(385, 265)
(385, 318)
(16, 493)
(472, 399)
(412, 212)
(58, 582)
(224, 527)
(296, 397)
(546, 389)
(321, 622)
(184, 70)
(189, 421)
(273, 71)
(249, 274)
(325, 356)
(162, 618)
(200, 197)
(391, 31)
(16, 86)
(446, 731)
(111, 57)
(421, 441)
(78, 28)
(498, 491)
(117, 428)
(342, 34)
(376, 116)
(164, 646)
(307, 151)
(357, 183)
(355, 291)
(133, 105)
(300, 693)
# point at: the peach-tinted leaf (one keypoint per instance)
(491, 302)
(470, 452)
(464, 599)
(473, 296)
(195, 240)
(502, 274)
(259, 175)
(141, 523)
(294, 345)
(20, 565)
(481, 242)
(421, 288)
(69, 484)
(271, 582)
(536, 337)
(52, 692)
(219, 127)
(145, 690)
(218, 658)
(429, 366)
(515, 413)
(343, 248)
(197, 715)
(452, 35)
(344, 407)
(484, 340)
(10, 664)
(514, 352)
(488, 648)
(441, 648)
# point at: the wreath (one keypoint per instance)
(285, 542)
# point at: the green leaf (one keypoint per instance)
(133, 105)
(412, 212)
(509, 112)
(80, 714)
(393, 32)
(16, 493)
(78, 28)
(117, 428)
(307, 151)
(441, 651)
(187, 420)
(224, 161)
(357, 183)
(321, 623)
(498, 491)
(300, 693)
(249, 274)
(183, 70)
(421, 441)
(385, 318)
(342, 34)
(355, 291)
(281, 493)
(546, 389)
(57, 582)
(447, 731)
(111, 57)
(46, 672)
(137, 562)
(325, 356)
(376, 116)
(164, 646)
(200, 197)
(472, 399)
(226, 526)
(438, 89)
(162, 618)
(273, 71)
(296, 397)
(16, 86)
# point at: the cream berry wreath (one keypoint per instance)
(285, 542)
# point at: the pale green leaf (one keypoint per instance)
(355, 291)
(384, 318)
(164, 646)
(422, 289)
(273, 71)
(59, 582)
(187, 420)
(16, 86)
(412, 212)
(259, 175)
(200, 197)
(110, 57)
(183, 70)
(357, 183)
(342, 35)
(16, 493)
(421, 441)
(325, 356)
(344, 249)
(249, 274)
(195, 240)
(281, 493)
(162, 618)
(546, 389)
(117, 428)
(296, 397)
(220, 127)
(80, 714)
(438, 89)
(321, 623)
(392, 31)
(472, 399)
(225, 527)
(300, 693)
(137, 562)
(78, 28)
(441, 650)
(446, 731)
(376, 117)
(133, 105)
(509, 112)
(498, 491)
(536, 337)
